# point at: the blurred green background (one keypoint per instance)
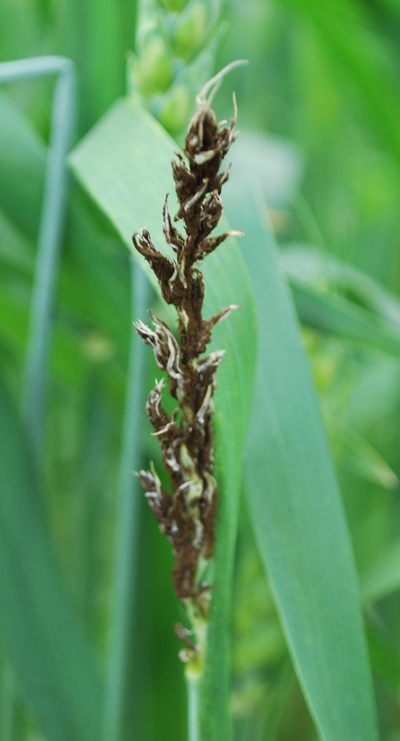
(319, 111)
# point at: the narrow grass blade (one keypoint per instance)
(297, 513)
(50, 233)
(383, 578)
(332, 314)
(125, 165)
(372, 315)
(308, 265)
(40, 637)
(127, 535)
(25, 69)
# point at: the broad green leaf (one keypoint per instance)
(125, 165)
(298, 517)
(39, 633)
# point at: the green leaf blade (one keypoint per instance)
(297, 513)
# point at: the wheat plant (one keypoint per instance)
(284, 601)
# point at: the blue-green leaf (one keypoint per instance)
(297, 513)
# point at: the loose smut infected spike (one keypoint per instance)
(187, 516)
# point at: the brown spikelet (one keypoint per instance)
(187, 517)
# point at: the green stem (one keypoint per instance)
(195, 668)
(193, 681)
(127, 531)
